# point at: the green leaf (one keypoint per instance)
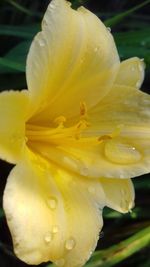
(23, 9)
(117, 253)
(15, 59)
(116, 19)
(4, 62)
(26, 32)
(134, 43)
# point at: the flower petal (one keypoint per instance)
(13, 110)
(73, 56)
(131, 73)
(116, 144)
(52, 214)
(124, 114)
(119, 194)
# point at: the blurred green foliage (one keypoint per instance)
(123, 235)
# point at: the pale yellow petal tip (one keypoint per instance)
(141, 69)
(128, 207)
(131, 73)
(32, 257)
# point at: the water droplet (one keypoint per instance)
(55, 229)
(121, 153)
(95, 49)
(52, 6)
(60, 262)
(44, 23)
(109, 29)
(84, 171)
(140, 67)
(70, 244)
(48, 237)
(123, 192)
(91, 189)
(138, 84)
(41, 42)
(52, 202)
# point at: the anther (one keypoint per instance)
(104, 137)
(60, 121)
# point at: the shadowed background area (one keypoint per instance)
(129, 22)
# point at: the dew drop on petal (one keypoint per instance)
(84, 171)
(142, 59)
(91, 189)
(140, 67)
(52, 6)
(70, 244)
(138, 84)
(95, 49)
(123, 192)
(48, 237)
(121, 153)
(41, 43)
(55, 229)
(44, 23)
(52, 202)
(109, 29)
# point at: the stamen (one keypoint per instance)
(81, 126)
(60, 121)
(104, 137)
(117, 131)
(112, 135)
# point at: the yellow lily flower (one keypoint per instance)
(77, 136)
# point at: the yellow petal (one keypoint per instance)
(72, 60)
(13, 110)
(52, 214)
(131, 73)
(119, 194)
(125, 115)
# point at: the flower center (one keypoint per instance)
(61, 144)
(58, 135)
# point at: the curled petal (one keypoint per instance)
(119, 194)
(131, 73)
(124, 116)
